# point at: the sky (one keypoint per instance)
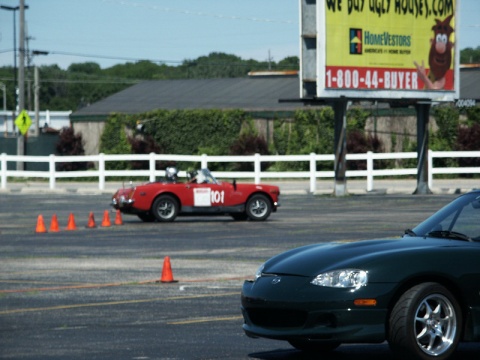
(111, 32)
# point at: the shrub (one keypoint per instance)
(358, 143)
(70, 144)
(114, 140)
(249, 144)
(146, 145)
(468, 139)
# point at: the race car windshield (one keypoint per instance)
(205, 175)
(458, 220)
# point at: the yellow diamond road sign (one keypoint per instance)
(23, 122)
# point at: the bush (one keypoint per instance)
(114, 140)
(311, 131)
(468, 139)
(358, 143)
(146, 145)
(249, 144)
(473, 114)
(448, 120)
(70, 144)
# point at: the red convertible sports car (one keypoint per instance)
(201, 194)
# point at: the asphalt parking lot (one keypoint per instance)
(94, 293)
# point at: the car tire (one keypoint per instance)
(425, 323)
(258, 207)
(165, 208)
(146, 217)
(314, 346)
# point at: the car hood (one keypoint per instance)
(369, 254)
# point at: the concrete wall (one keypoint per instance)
(91, 133)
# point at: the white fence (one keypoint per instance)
(313, 175)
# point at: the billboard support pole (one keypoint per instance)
(340, 114)
(423, 114)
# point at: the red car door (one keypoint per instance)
(207, 195)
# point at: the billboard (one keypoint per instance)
(388, 49)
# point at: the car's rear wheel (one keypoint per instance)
(425, 323)
(258, 207)
(165, 208)
(146, 217)
(314, 346)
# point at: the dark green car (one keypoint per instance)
(420, 292)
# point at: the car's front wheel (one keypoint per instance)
(258, 207)
(165, 208)
(425, 323)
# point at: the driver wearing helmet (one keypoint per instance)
(171, 174)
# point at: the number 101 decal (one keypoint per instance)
(217, 196)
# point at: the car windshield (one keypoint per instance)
(458, 220)
(203, 176)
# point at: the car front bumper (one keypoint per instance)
(295, 309)
(122, 203)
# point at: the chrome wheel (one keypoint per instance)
(435, 324)
(258, 207)
(165, 208)
(425, 323)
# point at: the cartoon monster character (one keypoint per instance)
(440, 56)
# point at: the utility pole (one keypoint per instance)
(36, 90)
(21, 81)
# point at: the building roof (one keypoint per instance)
(250, 94)
(254, 93)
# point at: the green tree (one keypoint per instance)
(470, 55)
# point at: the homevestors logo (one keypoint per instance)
(356, 37)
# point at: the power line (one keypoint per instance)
(198, 13)
(115, 57)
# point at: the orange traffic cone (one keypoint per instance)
(40, 225)
(118, 218)
(71, 223)
(54, 224)
(106, 219)
(167, 276)
(91, 221)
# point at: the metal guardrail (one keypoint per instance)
(313, 175)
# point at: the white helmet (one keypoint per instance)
(200, 178)
(171, 173)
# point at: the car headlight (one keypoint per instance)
(345, 278)
(259, 271)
